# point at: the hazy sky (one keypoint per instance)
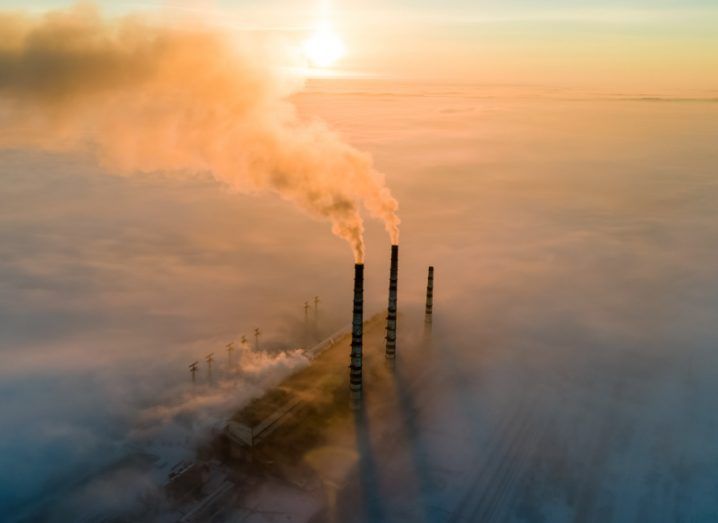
(637, 45)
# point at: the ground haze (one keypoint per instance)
(572, 369)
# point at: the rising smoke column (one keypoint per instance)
(147, 97)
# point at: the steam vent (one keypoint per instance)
(355, 374)
(391, 310)
(430, 295)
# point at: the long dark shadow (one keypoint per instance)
(372, 506)
(409, 414)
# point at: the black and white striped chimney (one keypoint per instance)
(355, 367)
(430, 295)
(391, 310)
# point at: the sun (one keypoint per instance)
(324, 48)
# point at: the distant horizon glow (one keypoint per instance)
(633, 46)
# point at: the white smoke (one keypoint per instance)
(180, 98)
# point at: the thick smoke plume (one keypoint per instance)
(148, 97)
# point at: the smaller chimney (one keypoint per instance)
(391, 310)
(355, 374)
(430, 295)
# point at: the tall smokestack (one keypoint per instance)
(355, 375)
(391, 310)
(430, 295)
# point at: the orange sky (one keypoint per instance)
(634, 45)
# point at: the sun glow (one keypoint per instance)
(324, 48)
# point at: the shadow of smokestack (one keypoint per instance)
(355, 367)
(372, 508)
(391, 310)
